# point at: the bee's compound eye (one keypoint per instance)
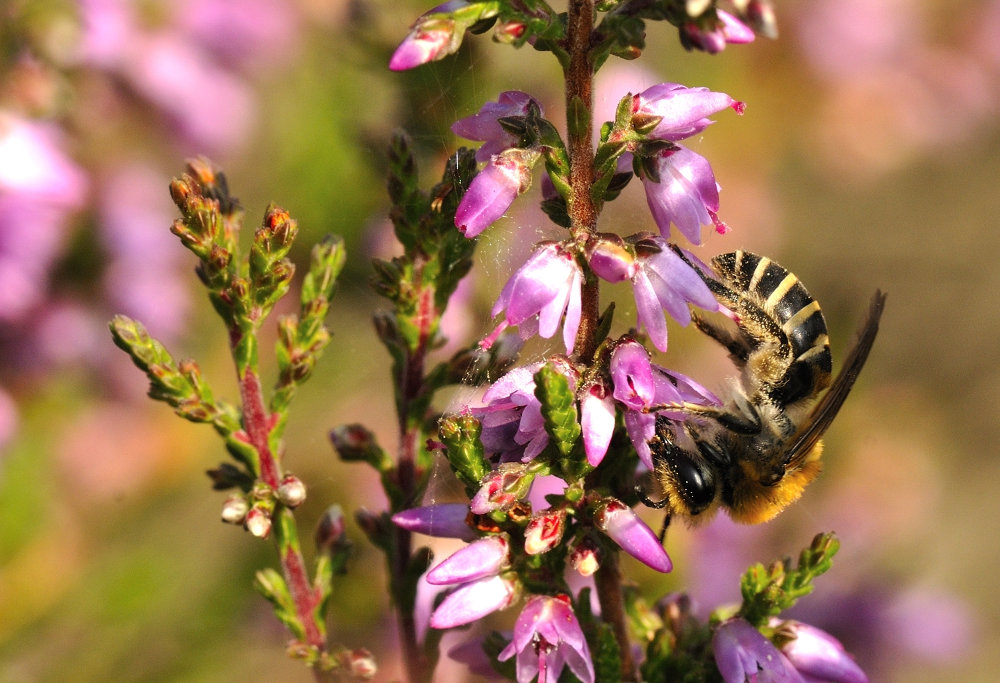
(695, 482)
(771, 478)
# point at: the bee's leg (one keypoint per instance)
(747, 421)
(663, 529)
(738, 348)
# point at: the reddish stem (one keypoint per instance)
(257, 424)
(582, 211)
(583, 219)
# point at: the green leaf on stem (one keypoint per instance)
(558, 408)
(272, 586)
(464, 450)
(768, 591)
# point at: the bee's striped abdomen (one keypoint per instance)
(782, 298)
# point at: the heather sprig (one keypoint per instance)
(243, 290)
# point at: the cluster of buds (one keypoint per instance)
(255, 509)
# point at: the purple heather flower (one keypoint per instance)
(546, 286)
(473, 601)
(817, 655)
(431, 38)
(494, 189)
(681, 189)
(547, 638)
(446, 520)
(478, 560)
(426, 42)
(743, 654)
(39, 188)
(645, 388)
(665, 282)
(624, 527)
(729, 30)
(484, 124)
(682, 111)
(511, 415)
(597, 421)
(144, 275)
(209, 102)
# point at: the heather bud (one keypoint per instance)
(291, 491)
(361, 663)
(585, 558)
(330, 528)
(609, 258)
(502, 488)
(544, 531)
(235, 510)
(258, 521)
(624, 527)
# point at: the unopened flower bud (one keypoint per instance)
(235, 509)
(585, 558)
(353, 442)
(258, 522)
(624, 527)
(427, 42)
(480, 559)
(180, 190)
(508, 31)
(330, 528)
(544, 531)
(609, 258)
(291, 491)
(361, 663)
(370, 523)
(502, 488)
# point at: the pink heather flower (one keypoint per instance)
(484, 124)
(681, 189)
(743, 654)
(644, 388)
(446, 520)
(478, 560)
(547, 286)
(511, 416)
(729, 30)
(431, 38)
(473, 601)
(144, 278)
(682, 111)
(597, 421)
(819, 656)
(665, 282)
(40, 187)
(547, 638)
(494, 189)
(210, 104)
(8, 419)
(624, 527)
(427, 42)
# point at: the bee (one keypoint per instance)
(755, 455)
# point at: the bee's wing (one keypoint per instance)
(824, 412)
